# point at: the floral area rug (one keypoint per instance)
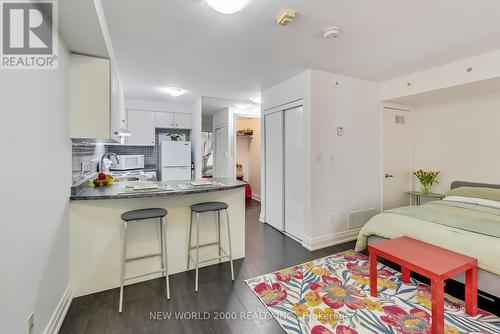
(332, 295)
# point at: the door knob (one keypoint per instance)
(388, 176)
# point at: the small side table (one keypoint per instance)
(436, 263)
(417, 195)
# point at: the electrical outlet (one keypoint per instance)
(332, 219)
(31, 323)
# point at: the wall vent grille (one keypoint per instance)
(357, 219)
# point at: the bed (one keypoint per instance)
(466, 224)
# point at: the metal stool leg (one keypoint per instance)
(124, 254)
(218, 234)
(164, 258)
(189, 240)
(229, 243)
(197, 250)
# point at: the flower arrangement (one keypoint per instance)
(175, 136)
(427, 179)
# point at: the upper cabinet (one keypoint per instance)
(142, 126)
(90, 97)
(95, 99)
(169, 120)
(182, 121)
(164, 120)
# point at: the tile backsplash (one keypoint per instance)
(87, 152)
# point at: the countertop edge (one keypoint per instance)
(153, 194)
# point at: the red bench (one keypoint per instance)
(436, 263)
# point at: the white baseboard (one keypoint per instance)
(256, 197)
(316, 243)
(62, 308)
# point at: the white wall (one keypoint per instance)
(460, 138)
(34, 247)
(342, 173)
(251, 149)
(345, 171)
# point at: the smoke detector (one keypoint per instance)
(331, 32)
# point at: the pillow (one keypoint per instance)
(473, 200)
(476, 192)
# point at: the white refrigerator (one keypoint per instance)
(175, 159)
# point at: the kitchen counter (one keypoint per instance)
(96, 230)
(118, 189)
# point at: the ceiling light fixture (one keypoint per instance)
(243, 106)
(227, 6)
(256, 99)
(174, 91)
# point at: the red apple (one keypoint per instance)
(102, 176)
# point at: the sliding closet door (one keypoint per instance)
(274, 169)
(294, 172)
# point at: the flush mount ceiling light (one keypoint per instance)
(174, 91)
(227, 6)
(256, 99)
(243, 106)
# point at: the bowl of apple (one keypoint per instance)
(102, 180)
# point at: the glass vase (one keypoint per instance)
(426, 188)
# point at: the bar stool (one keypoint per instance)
(136, 216)
(199, 208)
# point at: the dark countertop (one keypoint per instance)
(116, 191)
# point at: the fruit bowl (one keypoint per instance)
(103, 180)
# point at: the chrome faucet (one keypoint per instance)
(109, 155)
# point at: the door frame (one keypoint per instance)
(397, 107)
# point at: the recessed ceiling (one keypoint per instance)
(187, 44)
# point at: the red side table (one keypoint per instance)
(436, 263)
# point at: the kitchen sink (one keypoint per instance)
(127, 179)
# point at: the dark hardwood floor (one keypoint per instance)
(266, 250)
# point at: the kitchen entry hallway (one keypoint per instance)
(220, 306)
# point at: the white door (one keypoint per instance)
(221, 153)
(182, 121)
(175, 154)
(175, 173)
(396, 157)
(274, 170)
(142, 126)
(294, 172)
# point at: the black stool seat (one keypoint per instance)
(143, 214)
(208, 206)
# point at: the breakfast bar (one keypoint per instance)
(96, 229)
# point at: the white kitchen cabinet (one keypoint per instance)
(165, 120)
(172, 120)
(182, 121)
(118, 111)
(142, 125)
(89, 97)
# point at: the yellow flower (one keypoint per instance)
(451, 330)
(326, 316)
(320, 271)
(312, 298)
(361, 280)
(374, 306)
(308, 265)
(386, 283)
(300, 310)
(423, 300)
